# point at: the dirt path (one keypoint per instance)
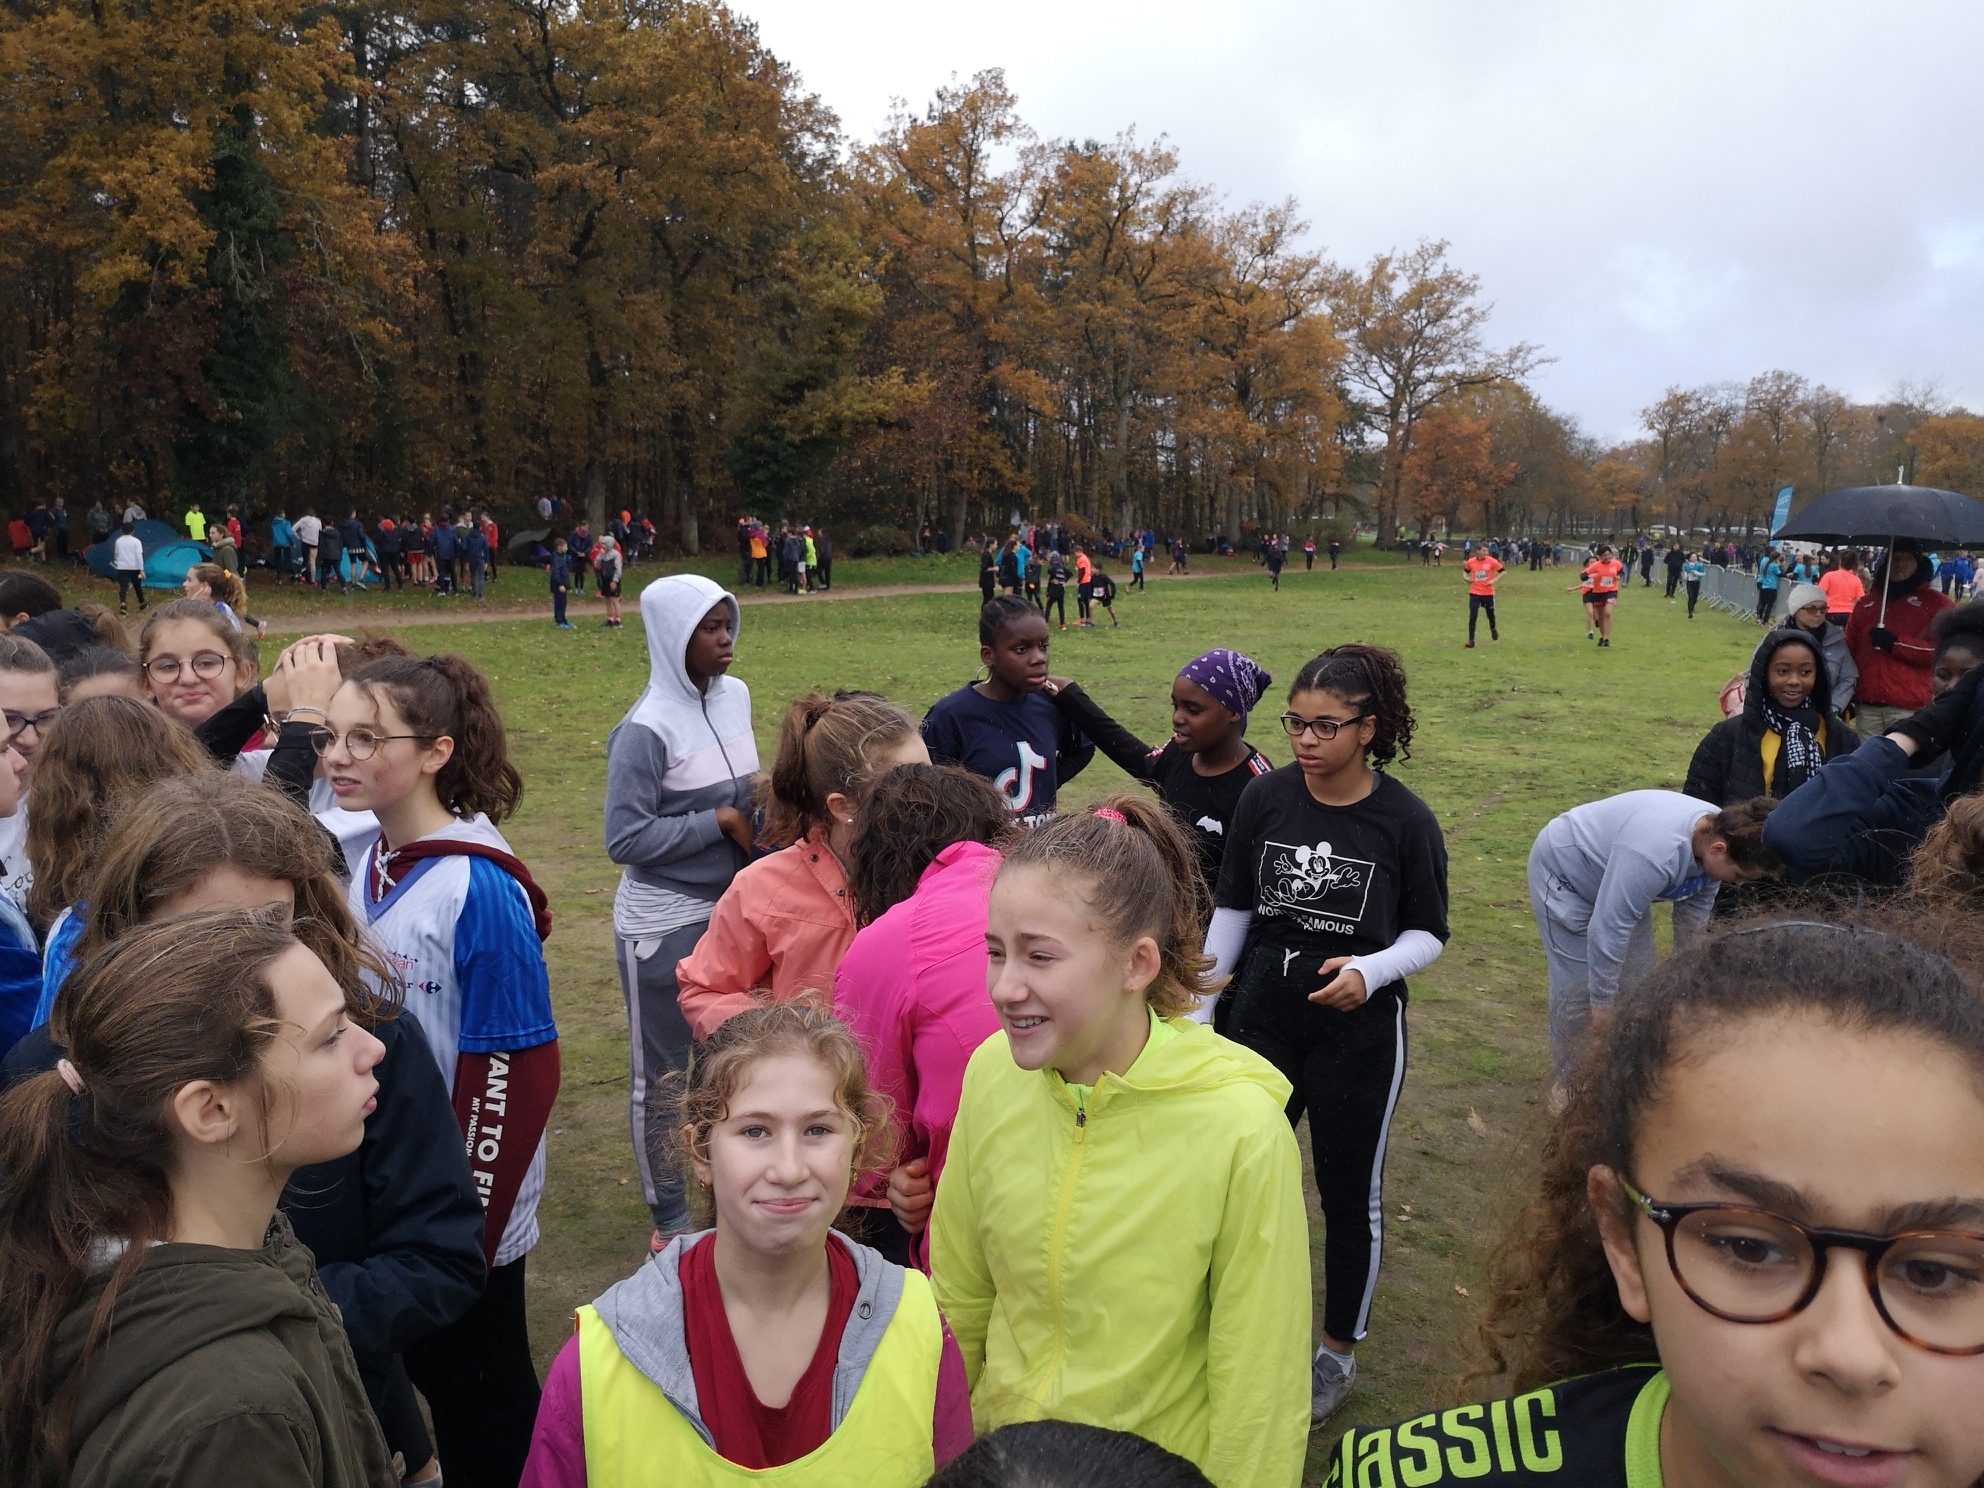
(359, 616)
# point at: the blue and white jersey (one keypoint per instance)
(460, 932)
(354, 830)
(16, 872)
(58, 959)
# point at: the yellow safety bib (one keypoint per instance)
(635, 1438)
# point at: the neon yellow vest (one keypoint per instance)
(635, 1438)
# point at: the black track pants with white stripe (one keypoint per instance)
(1346, 1069)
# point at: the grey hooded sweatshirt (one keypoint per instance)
(677, 755)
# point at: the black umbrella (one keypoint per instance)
(1881, 514)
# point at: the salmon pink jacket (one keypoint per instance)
(912, 987)
(779, 930)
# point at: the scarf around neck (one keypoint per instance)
(1799, 729)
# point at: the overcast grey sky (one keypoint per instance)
(1663, 192)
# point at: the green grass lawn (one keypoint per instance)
(1508, 735)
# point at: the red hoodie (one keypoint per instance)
(1898, 678)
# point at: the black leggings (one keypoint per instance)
(127, 580)
(1476, 603)
(1346, 1069)
(1694, 594)
(1057, 599)
(480, 1384)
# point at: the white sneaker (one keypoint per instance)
(1330, 1385)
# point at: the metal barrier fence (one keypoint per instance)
(1734, 591)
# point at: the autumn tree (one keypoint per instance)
(1949, 452)
(1263, 405)
(1123, 257)
(1413, 328)
(1451, 469)
(951, 216)
(199, 289)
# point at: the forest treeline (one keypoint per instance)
(379, 255)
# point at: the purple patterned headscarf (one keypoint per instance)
(1233, 680)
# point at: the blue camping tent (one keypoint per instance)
(167, 555)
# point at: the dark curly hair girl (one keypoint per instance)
(1373, 680)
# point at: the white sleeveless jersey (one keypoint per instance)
(460, 932)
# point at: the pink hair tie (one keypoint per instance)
(69, 1076)
(1110, 813)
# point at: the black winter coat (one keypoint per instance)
(1728, 765)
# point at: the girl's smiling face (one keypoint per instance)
(32, 695)
(1792, 673)
(1876, 1132)
(779, 1163)
(1069, 997)
(187, 697)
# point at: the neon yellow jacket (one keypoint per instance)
(1141, 1264)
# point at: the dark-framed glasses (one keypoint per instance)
(19, 723)
(1295, 725)
(206, 665)
(1749, 1265)
(359, 743)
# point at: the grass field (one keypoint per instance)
(1508, 735)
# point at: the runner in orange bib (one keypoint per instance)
(1482, 569)
(1601, 577)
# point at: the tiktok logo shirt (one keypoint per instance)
(1334, 880)
(1026, 747)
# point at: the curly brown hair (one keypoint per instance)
(1947, 869)
(1555, 1311)
(913, 813)
(805, 1025)
(1373, 679)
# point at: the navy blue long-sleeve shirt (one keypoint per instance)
(1861, 814)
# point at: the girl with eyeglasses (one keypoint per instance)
(1333, 891)
(29, 705)
(1753, 1255)
(418, 742)
(195, 662)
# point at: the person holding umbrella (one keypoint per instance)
(1888, 637)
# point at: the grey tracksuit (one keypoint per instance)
(1594, 876)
